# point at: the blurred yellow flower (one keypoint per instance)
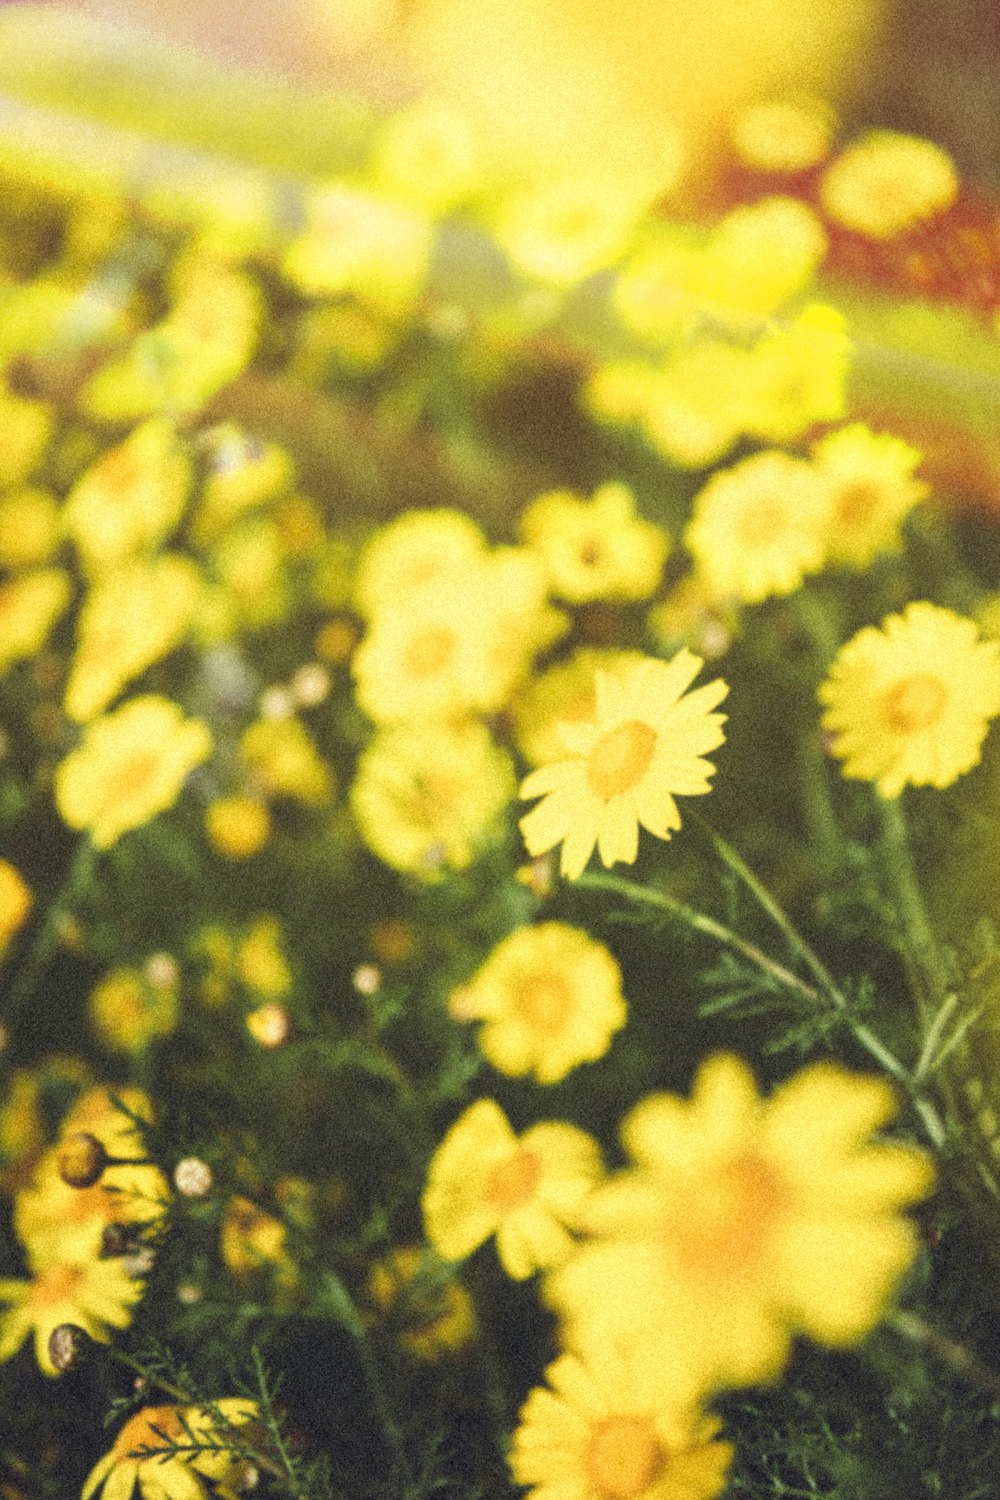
(129, 766)
(598, 548)
(528, 1190)
(565, 693)
(30, 604)
(428, 797)
(428, 155)
(787, 134)
(549, 998)
(886, 183)
(128, 1012)
(237, 827)
(796, 375)
(743, 1223)
(130, 499)
(131, 617)
(646, 744)
(871, 478)
(260, 961)
(95, 1295)
(140, 1455)
(29, 527)
(425, 1300)
(419, 549)
(910, 703)
(564, 231)
(26, 426)
(252, 1240)
(758, 527)
(361, 242)
(282, 758)
(598, 1432)
(15, 902)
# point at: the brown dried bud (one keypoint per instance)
(81, 1159)
(67, 1345)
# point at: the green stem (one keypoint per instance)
(951, 1353)
(921, 946)
(32, 971)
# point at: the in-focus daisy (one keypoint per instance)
(910, 703)
(528, 1190)
(130, 765)
(757, 528)
(742, 1223)
(141, 1454)
(871, 477)
(549, 997)
(598, 548)
(645, 745)
(597, 1431)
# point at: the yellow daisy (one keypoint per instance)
(130, 765)
(757, 528)
(427, 155)
(428, 797)
(742, 1223)
(29, 607)
(564, 694)
(910, 703)
(784, 134)
(598, 548)
(363, 243)
(418, 549)
(139, 1455)
(597, 1432)
(549, 996)
(16, 902)
(564, 231)
(871, 477)
(646, 744)
(886, 183)
(528, 1190)
(131, 498)
(95, 1295)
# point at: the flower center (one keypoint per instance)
(620, 759)
(544, 1001)
(856, 502)
(722, 1225)
(623, 1457)
(916, 702)
(54, 1285)
(591, 552)
(762, 521)
(430, 651)
(134, 776)
(138, 1430)
(511, 1183)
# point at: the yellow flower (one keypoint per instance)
(139, 1455)
(597, 1432)
(871, 477)
(260, 962)
(58, 1222)
(549, 996)
(760, 255)
(29, 607)
(361, 242)
(95, 1295)
(130, 499)
(910, 703)
(527, 1190)
(783, 135)
(427, 155)
(29, 527)
(130, 765)
(597, 548)
(645, 745)
(427, 797)
(132, 616)
(564, 694)
(796, 376)
(26, 426)
(743, 1223)
(419, 549)
(15, 902)
(237, 827)
(128, 1011)
(281, 755)
(698, 404)
(252, 1241)
(886, 183)
(564, 231)
(425, 1300)
(757, 528)
(244, 473)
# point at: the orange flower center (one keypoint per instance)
(430, 651)
(512, 1182)
(623, 1457)
(764, 519)
(620, 759)
(54, 1285)
(544, 1001)
(134, 776)
(591, 552)
(856, 502)
(916, 702)
(723, 1224)
(138, 1430)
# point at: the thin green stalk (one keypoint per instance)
(35, 964)
(930, 971)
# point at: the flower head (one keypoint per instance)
(646, 744)
(909, 703)
(95, 1295)
(129, 766)
(759, 527)
(29, 607)
(887, 182)
(142, 1455)
(563, 694)
(743, 1222)
(871, 478)
(598, 1431)
(422, 1296)
(485, 1180)
(549, 997)
(597, 548)
(130, 499)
